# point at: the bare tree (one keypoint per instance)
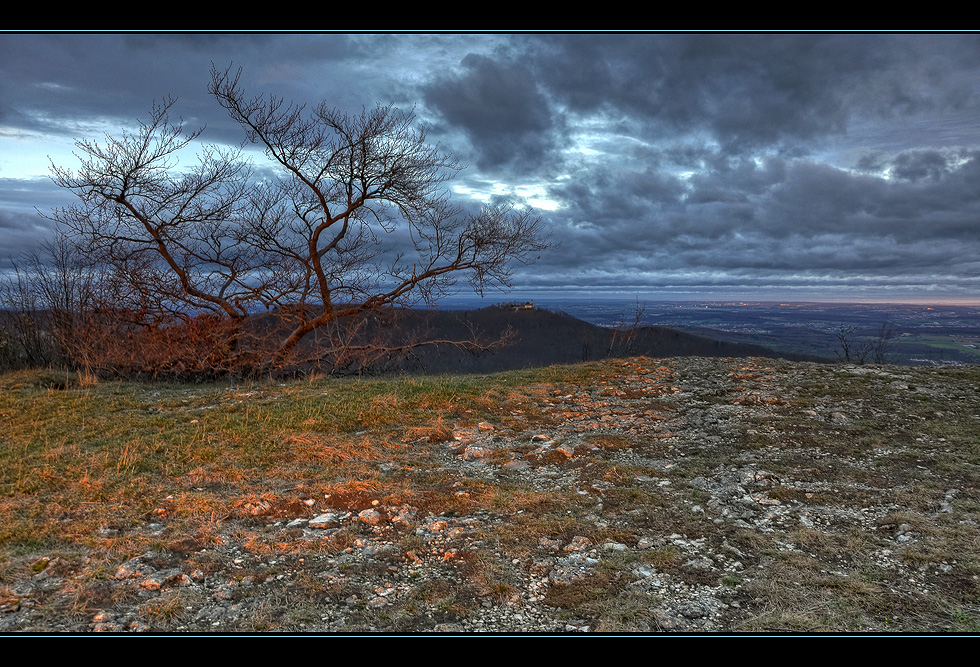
(882, 344)
(853, 351)
(356, 219)
(24, 341)
(43, 295)
(64, 311)
(623, 342)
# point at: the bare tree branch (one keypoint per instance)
(359, 221)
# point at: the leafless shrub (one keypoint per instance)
(853, 351)
(881, 344)
(42, 298)
(850, 351)
(623, 341)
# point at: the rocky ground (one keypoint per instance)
(671, 495)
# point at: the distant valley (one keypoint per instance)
(920, 335)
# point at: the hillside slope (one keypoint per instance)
(543, 338)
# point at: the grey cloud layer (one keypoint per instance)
(731, 177)
(747, 160)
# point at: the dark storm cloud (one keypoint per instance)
(500, 107)
(918, 165)
(752, 90)
(57, 79)
(782, 219)
(744, 91)
(741, 91)
(22, 228)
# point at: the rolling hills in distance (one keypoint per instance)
(544, 337)
(549, 332)
(555, 331)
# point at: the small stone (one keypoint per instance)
(370, 517)
(578, 543)
(476, 452)
(647, 543)
(567, 450)
(541, 566)
(437, 526)
(328, 520)
(692, 610)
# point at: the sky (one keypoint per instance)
(831, 167)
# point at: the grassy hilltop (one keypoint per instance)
(681, 494)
